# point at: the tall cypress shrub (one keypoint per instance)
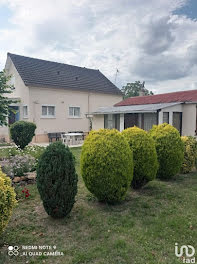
(57, 180)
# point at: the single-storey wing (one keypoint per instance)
(177, 109)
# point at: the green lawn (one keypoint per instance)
(141, 230)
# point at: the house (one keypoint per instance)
(57, 97)
(177, 109)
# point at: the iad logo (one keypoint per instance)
(13, 250)
(186, 253)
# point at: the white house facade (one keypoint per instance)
(56, 97)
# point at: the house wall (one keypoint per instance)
(62, 99)
(97, 122)
(21, 91)
(188, 117)
(189, 120)
(171, 109)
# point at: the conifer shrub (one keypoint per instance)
(107, 165)
(144, 155)
(190, 154)
(57, 180)
(169, 147)
(7, 200)
(22, 133)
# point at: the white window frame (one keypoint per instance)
(25, 116)
(48, 116)
(73, 116)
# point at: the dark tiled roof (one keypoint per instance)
(41, 73)
(184, 96)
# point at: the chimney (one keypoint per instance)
(142, 91)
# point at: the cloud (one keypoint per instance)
(162, 67)
(143, 39)
(157, 35)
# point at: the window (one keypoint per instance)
(12, 80)
(25, 111)
(112, 121)
(74, 111)
(48, 111)
(166, 117)
(150, 119)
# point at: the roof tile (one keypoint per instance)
(183, 96)
(41, 73)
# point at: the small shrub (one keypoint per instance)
(7, 200)
(190, 154)
(22, 133)
(57, 180)
(169, 147)
(107, 165)
(144, 155)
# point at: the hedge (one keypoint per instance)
(22, 133)
(144, 155)
(190, 154)
(169, 147)
(7, 200)
(107, 165)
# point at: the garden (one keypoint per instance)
(122, 198)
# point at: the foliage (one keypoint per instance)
(57, 180)
(22, 133)
(7, 200)
(169, 148)
(190, 154)
(145, 218)
(134, 89)
(5, 88)
(144, 155)
(34, 151)
(7, 153)
(107, 165)
(18, 165)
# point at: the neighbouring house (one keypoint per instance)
(177, 109)
(57, 97)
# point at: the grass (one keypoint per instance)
(143, 229)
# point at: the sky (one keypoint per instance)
(148, 40)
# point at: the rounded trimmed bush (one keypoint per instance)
(7, 200)
(144, 155)
(169, 147)
(57, 180)
(107, 165)
(22, 133)
(190, 154)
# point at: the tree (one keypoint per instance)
(5, 88)
(134, 89)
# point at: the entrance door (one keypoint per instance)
(130, 120)
(13, 114)
(177, 121)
